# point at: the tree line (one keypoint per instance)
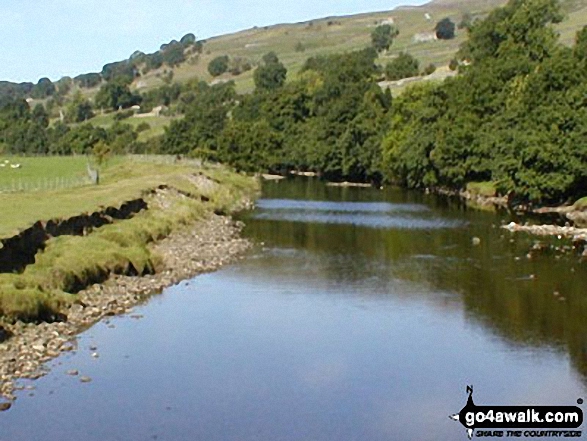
(515, 116)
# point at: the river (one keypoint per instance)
(361, 314)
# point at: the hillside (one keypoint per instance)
(296, 42)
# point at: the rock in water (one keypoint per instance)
(5, 406)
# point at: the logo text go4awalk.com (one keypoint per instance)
(520, 421)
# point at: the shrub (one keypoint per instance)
(218, 65)
(404, 66)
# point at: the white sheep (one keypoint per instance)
(14, 165)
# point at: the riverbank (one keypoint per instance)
(183, 232)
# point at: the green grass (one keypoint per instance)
(581, 204)
(41, 171)
(486, 189)
(122, 180)
(70, 263)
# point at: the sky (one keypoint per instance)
(55, 38)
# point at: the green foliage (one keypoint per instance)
(218, 65)
(124, 72)
(173, 55)
(114, 95)
(188, 39)
(445, 29)
(515, 117)
(429, 70)
(382, 37)
(39, 116)
(79, 109)
(403, 66)
(43, 89)
(142, 127)
(271, 74)
(88, 80)
(580, 49)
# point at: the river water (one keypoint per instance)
(361, 314)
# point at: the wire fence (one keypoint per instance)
(43, 184)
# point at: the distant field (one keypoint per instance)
(42, 173)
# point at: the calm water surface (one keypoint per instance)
(361, 315)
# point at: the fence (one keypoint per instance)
(42, 184)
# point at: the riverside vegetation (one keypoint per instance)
(66, 264)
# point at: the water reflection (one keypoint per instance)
(535, 300)
(346, 330)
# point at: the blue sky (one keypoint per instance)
(54, 38)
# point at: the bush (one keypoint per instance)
(119, 116)
(142, 127)
(445, 29)
(218, 65)
(453, 65)
(430, 69)
(404, 66)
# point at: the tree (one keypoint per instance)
(79, 109)
(43, 89)
(188, 39)
(121, 70)
(382, 37)
(173, 54)
(115, 95)
(271, 74)
(580, 49)
(218, 65)
(445, 29)
(88, 80)
(40, 116)
(404, 66)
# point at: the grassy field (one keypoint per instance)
(45, 287)
(42, 173)
(121, 179)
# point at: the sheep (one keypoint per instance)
(14, 165)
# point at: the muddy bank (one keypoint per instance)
(201, 247)
(18, 251)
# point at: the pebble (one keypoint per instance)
(85, 379)
(211, 242)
